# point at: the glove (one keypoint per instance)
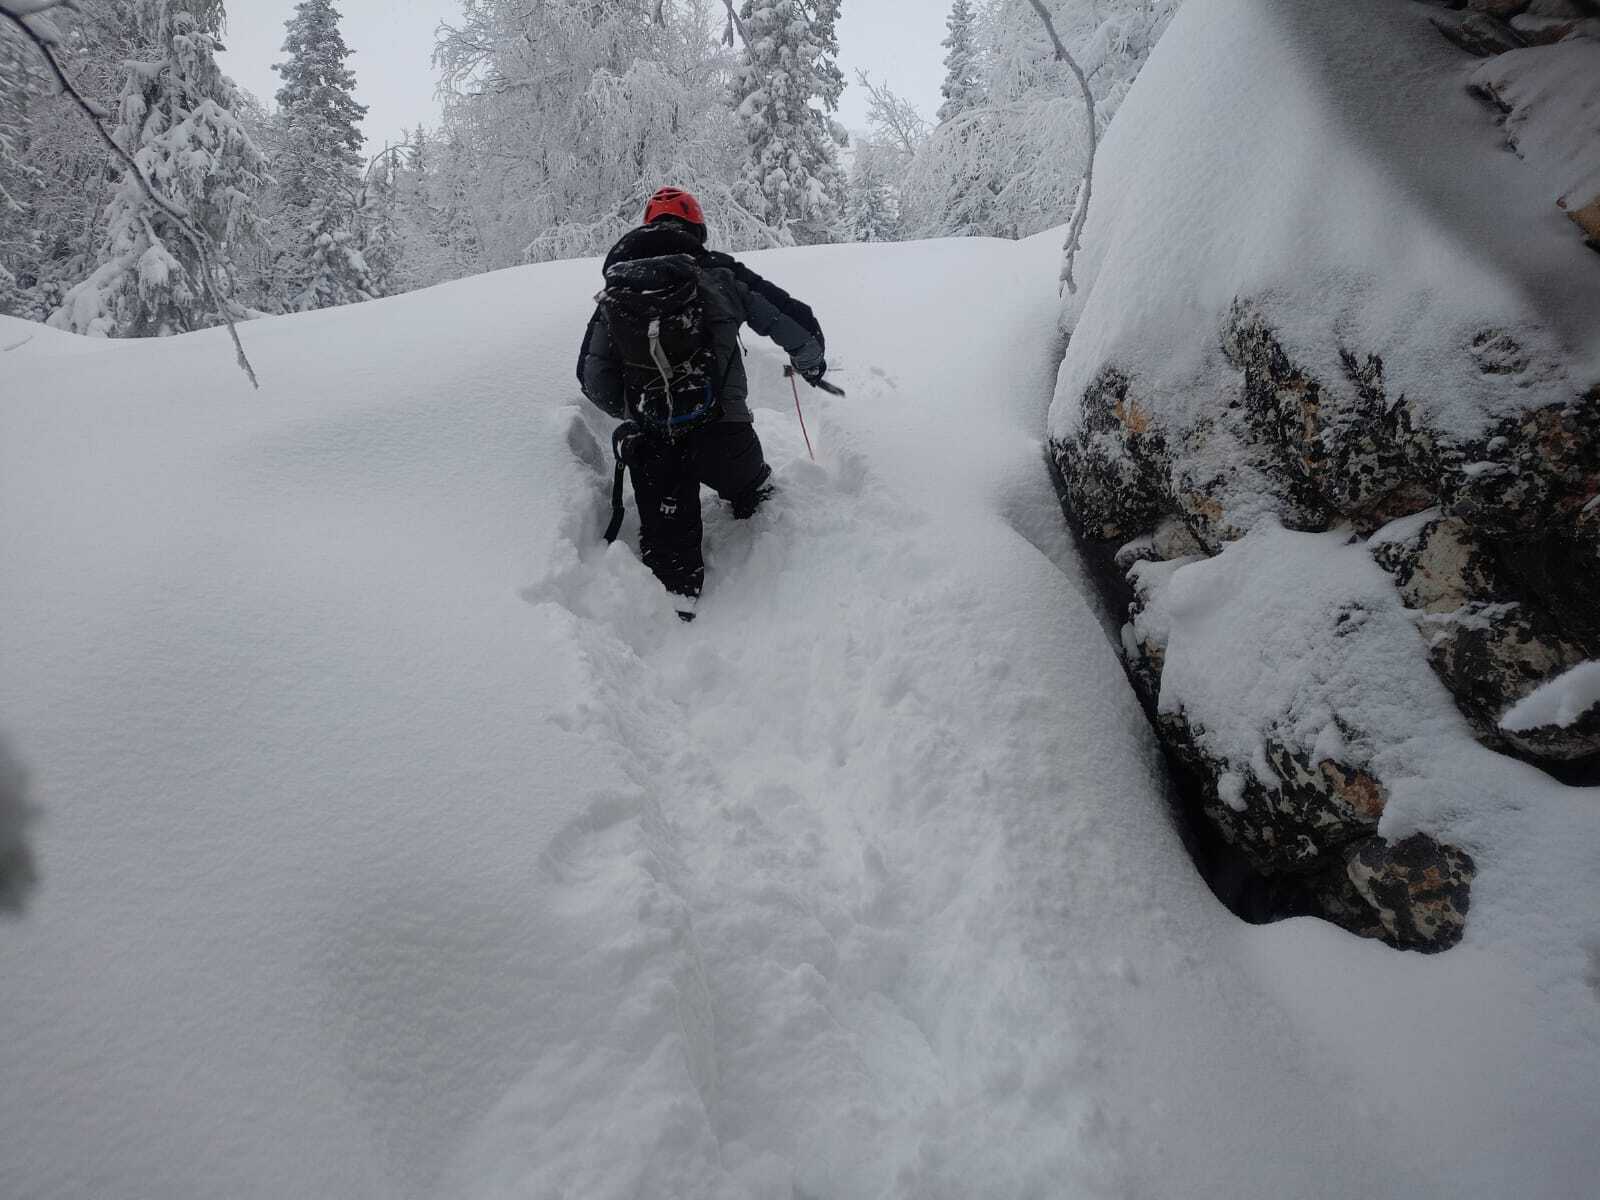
(813, 375)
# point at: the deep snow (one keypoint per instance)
(400, 842)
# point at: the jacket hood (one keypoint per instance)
(655, 241)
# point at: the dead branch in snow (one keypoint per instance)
(734, 22)
(1080, 210)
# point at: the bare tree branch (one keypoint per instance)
(17, 13)
(888, 113)
(1080, 210)
(735, 22)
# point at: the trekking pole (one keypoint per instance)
(790, 372)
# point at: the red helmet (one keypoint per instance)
(674, 202)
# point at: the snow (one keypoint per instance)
(399, 841)
(1289, 632)
(15, 334)
(1553, 97)
(1404, 529)
(1375, 209)
(1560, 702)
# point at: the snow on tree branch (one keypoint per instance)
(28, 17)
(1080, 210)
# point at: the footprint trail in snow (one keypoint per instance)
(810, 864)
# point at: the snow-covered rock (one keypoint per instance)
(1549, 100)
(1487, 639)
(1561, 711)
(1364, 311)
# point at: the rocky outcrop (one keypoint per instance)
(1337, 440)
(1488, 27)
(1492, 542)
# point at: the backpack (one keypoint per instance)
(656, 317)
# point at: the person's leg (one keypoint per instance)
(667, 492)
(728, 459)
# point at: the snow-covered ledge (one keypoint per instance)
(1333, 388)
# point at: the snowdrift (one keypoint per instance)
(398, 841)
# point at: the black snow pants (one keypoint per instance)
(667, 474)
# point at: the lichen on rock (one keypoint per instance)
(1113, 465)
(1490, 643)
(1341, 451)
(1420, 889)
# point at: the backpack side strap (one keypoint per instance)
(624, 434)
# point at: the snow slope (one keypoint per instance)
(399, 842)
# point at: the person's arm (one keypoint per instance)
(773, 313)
(598, 371)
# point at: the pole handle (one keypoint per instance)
(822, 385)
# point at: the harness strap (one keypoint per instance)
(664, 365)
(618, 511)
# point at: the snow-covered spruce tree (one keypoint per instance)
(378, 220)
(872, 205)
(259, 265)
(792, 175)
(175, 118)
(319, 168)
(427, 249)
(453, 188)
(879, 163)
(963, 73)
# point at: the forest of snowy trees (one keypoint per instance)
(560, 117)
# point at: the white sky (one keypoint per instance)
(897, 41)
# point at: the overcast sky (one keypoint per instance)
(896, 40)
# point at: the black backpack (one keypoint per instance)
(656, 317)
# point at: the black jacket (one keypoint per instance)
(734, 296)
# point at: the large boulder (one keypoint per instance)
(1286, 677)
(1371, 343)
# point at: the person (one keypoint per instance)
(671, 445)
